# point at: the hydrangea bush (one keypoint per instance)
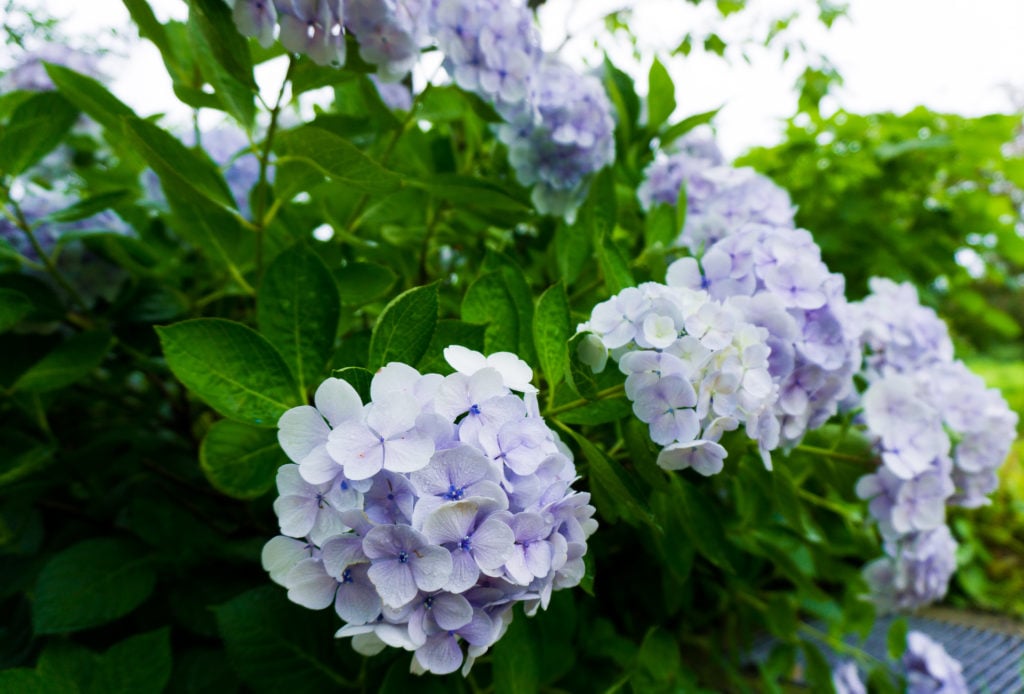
(501, 365)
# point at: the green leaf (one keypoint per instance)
(552, 327)
(151, 29)
(674, 132)
(174, 161)
(70, 361)
(139, 664)
(661, 96)
(660, 228)
(357, 377)
(488, 302)
(624, 494)
(276, 646)
(231, 367)
(91, 583)
(469, 191)
(896, 638)
(223, 57)
(573, 250)
(818, 672)
(23, 457)
(26, 681)
(614, 266)
(786, 500)
(37, 126)
(580, 376)
(451, 332)
(13, 307)
(516, 669)
(239, 460)
(336, 158)
(87, 207)
(659, 655)
(404, 329)
(360, 283)
(702, 521)
(298, 312)
(91, 97)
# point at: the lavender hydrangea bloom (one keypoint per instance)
(491, 47)
(313, 28)
(395, 95)
(846, 679)
(256, 18)
(930, 670)
(694, 367)
(915, 571)
(776, 278)
(902, 336)
(720, 200)
(560, 138)
(390, 33)
(425, 514)
(29, 73)
(92, 277)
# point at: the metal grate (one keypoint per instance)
(991, 650)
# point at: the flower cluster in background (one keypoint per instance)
(941, 434)
(720, 199)
(695, 368)
(424, 515)
(558, 124)
(927, 666)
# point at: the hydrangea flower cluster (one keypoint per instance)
(311, 27)
(928, 668)
(899, 333)
(29, 73)
(695, 368)
(777, 278)
(424, 515)
(941, 435)
(92, 277)
(491, 47)
(720, 199)
(390, 33)
(572, 137)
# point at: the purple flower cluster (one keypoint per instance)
(491, 48)
(928, 668)
(695, 368)
(424, 515)
(941, 434)
(390, 33)
(560, 138)
(29, 73)
(720, 199)
(92, 277)
(776, 277)
(311, 27)
(899, 333)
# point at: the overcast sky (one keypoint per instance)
(951, 55)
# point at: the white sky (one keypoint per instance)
(950, 55)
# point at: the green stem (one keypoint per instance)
(260, 217)
(389, 148)
(605, 394)
(18, 218)
(826, 453)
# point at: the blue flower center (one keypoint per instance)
(474, 409)
(346, 576)
(344, 485)
(319, 500)
(428, 603)
(403, 557)
(464, 543)
(454, 493)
